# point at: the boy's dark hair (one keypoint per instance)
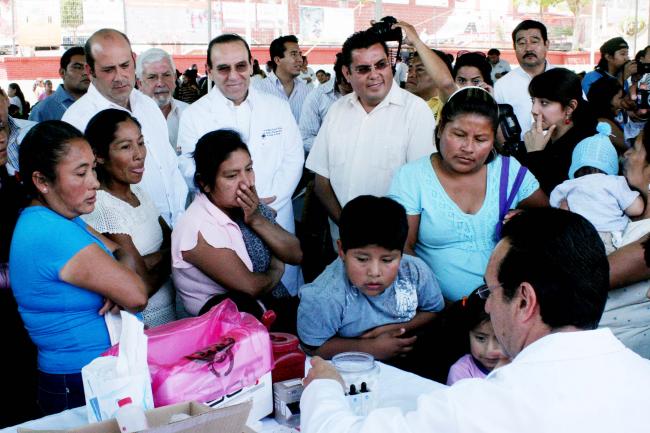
(277, 48)
(66, 58)
(494, 51)
(369, 220)
(362, 39)
(527, 25)
(225, 39)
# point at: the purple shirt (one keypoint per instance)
(465, 368)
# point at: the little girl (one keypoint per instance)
(485, 351)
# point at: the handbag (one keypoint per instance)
(505, 199)
(206, 357)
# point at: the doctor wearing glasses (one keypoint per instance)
(263, 121)
(369, 133)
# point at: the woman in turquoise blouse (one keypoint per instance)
(452, 197)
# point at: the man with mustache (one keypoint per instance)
(531, 45)
(75, 85)
(156, 76)
(111, 65)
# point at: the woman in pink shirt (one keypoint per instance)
(210, 261)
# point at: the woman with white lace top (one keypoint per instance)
(125, 213)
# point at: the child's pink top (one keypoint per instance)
(464, 368)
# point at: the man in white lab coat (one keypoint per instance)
(264, 122)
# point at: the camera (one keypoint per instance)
(512, 145)
(642, 68)
(383, 29)
(643, 99)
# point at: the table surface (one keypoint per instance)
(397, 389)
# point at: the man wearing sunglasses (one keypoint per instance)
(547, 283)
(369, 133)
(265, 123)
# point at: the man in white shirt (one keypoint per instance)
(111, 65)
(500, 67)
(156, 74)
(284, 82)
(265, 123)
(546, 288)
(368, 134)
(530, 41)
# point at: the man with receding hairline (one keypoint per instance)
(111, 65)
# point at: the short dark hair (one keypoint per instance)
(641, 53)
(100, 132)
(562, 85)
(89, 43)
(224, 39)
(211, 151)
(476, 60)
(494, 51)
(600, 96)
(362, 39)
(468, 100)
(321, 70)
(560, 254)
(43, 147)
(277, 48)
(369, 220)
(66, 58)
(527, 25)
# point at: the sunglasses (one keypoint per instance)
(365, 69)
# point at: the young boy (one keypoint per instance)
(371, 298)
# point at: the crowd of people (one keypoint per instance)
(424, 228)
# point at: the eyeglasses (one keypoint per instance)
(240, 67)
(484, 291)
(365, 69)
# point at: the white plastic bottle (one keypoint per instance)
(130, 417)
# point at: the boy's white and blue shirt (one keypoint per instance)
(331, 306)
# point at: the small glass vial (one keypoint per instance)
(360, 373)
